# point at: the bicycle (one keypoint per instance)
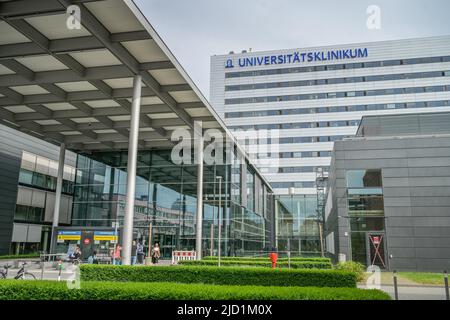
(4, 272)
(21, 274)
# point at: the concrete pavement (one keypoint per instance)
(414, 292)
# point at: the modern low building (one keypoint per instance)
(388, 202)
(107, 88)
(308, 98)
(28, 170)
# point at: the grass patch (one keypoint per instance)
(220, 276)
(423, 277)
(52, 290)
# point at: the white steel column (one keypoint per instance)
(59, 182)
(131, 171)
(198, 155)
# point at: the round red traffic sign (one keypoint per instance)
(86, 241)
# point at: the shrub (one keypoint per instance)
(352, 266)
(220, 276)
(251, 263)
(52, 290)
(293, 259)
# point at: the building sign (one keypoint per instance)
(298, 57)
(376, 239)
(68, 235)
(105, 236)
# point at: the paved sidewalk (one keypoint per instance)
(414, 292)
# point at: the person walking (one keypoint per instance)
(156, 253)
(140, 253)
(93, 258)
(133, 253)
(116, 255)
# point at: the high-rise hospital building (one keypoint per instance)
(315, 96)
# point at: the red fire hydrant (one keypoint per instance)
(274, 258)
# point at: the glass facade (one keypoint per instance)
(297, 225)
(302, 83)
(366, 215)
(166, 198)
(339, 94)
(333, 109)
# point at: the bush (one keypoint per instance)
(220, 276)
(256, 263)
(352, 266)
(293, 259)
(52, 290)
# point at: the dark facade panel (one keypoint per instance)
(416, 197)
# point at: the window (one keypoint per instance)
(26, 177)
(364, 178)
(365, 205)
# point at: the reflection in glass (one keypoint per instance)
(166, 197)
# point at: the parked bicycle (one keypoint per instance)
(21, 274)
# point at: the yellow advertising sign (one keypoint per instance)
(105, 238)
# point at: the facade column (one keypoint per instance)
(59, 182)
(199, 159)
(131, 171)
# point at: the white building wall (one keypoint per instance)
(377, 51)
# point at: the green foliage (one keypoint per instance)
(20, 256)
(52, 290)
(221, 276)
(352, 266)
(257, 263)
(423, 277)
(293, 259)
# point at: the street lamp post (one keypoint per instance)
(219, 220)
(291, 193)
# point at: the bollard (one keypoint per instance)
(395, 285)
(447, 294)
(42, 270)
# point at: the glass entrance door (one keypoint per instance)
(376, 249)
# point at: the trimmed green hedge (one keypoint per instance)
(20, 256)
(293, 259)
(220, 276)
(251, 263)
(52, 290)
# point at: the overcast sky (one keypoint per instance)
(196, 29)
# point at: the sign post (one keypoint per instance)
(148, 260)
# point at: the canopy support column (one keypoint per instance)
(131, 171)
(59, 182)
(198, 149)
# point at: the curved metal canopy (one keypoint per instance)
(74, 86)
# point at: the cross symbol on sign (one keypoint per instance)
(376, 242)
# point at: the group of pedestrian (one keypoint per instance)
(137, 253)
